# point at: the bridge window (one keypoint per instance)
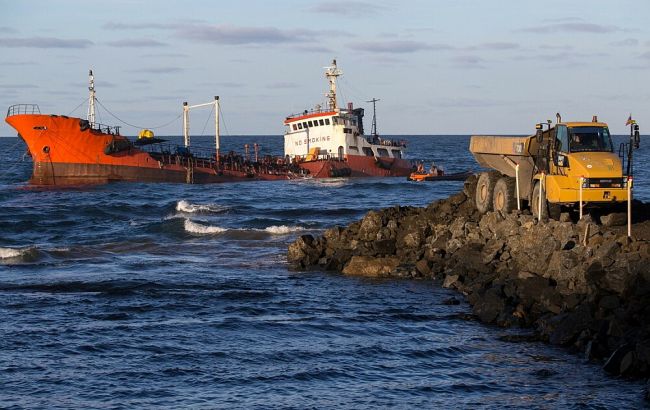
(311, 124)
(321, 122)
(383, 152)
(299, 126)
(304, 124)
(397, 153)
(368, 152)
(295, 127)
(327, 121)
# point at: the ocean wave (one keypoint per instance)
(8, 253)
(283, 229)
(194, 227)
(190, 208)
(12, 255)
(198, 228)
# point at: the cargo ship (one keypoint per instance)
(71, 151)
(329, 141)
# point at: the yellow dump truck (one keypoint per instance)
(566, 163)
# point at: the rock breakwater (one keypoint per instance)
(583, 285)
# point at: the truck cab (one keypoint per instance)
(581, 162)
(566, 164)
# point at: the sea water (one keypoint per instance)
(178, 296)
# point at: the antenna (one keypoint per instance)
(374, 115)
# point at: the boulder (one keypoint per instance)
(371, 266)
(614, 219)
(303, 252)
(370, 226)
(489, 305)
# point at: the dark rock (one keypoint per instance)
(489, 305)
(614, 219)
(620, 362)
(384, 247)
(370, 226)
(423, 266)
(303, 252)
(569, 325)
(451, 301)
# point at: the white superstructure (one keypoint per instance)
(334, 132)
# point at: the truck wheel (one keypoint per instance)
(504, 197)
(485, 190)
(534, 206)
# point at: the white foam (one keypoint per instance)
(190, 208)
(6, 253)
(283, 229)
(193, 227)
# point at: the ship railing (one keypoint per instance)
(376, 140)
(106, 129)
(19, 109)
(309, 112)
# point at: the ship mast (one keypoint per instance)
(91, 100)
(331, 73)
(374, 115)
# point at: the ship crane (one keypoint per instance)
(186, 123)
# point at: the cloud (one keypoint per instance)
(233, 35)
(166, 55)
(4, 29)
(346, 8)
(575, 27)
(645, 56)
(313, 49)
(628, 42)
(468, 62)
(44, 42)
(17, 86)
(495, 46)
(138, 26)
(395, 46)
(555, 47)
(137, 43)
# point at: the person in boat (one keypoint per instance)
(420, 169)
(433, 170)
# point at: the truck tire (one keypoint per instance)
(504, 197)
(485, 190)
(534, 206)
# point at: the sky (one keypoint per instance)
(437, 66)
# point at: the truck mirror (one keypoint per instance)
(561, 160)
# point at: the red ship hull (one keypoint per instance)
(358, 166)
(66, 151)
